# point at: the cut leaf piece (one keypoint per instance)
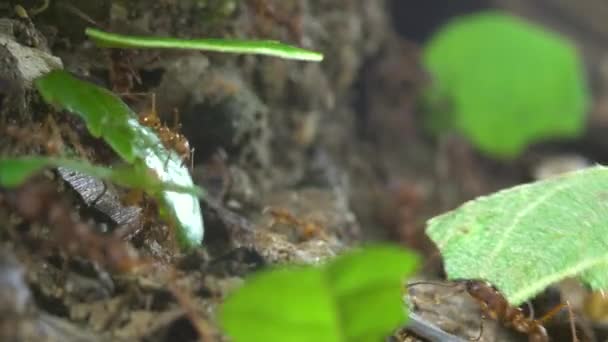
(15, 171)
(355, 297)
(257, 47)
(528, 237)
(504, 83)
(106, 116)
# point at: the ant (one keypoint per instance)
(308, 228)
(122, 74)
(170, 138)
(46, 135)
(265, 10)
(123, 77)
(495, 306)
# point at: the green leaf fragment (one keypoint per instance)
(528, 237)
(259, 47)
(504, 83)
(106, 116)
(355, 297)
(15, 171)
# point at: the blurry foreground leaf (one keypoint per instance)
(257, 47)
(528, 237)
(355, 297)
(504, 83)
(15, 171)
(106, 116)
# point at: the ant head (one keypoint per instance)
(473, 285)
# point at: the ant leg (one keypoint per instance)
(176, 125)
(37, 10)
(415, 283)
(192, 159)
(483, 318)
(78, 13)
(167, 160)
(553, 312)
(133, 95)
(54, 145)
(572, 322)
(100, 195)
(153, 95)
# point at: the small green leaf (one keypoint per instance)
(528, 237)
(15, 171)
(504, 83)
(258, 47)
(355, 297)
(106, 116)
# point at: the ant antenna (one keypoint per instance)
(80, 14)
(43, 7)
(423, 282)
(530, 309)
(192, 159)
(556, 309)
(572, 322)
(154, 103)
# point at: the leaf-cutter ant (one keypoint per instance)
(496, 307)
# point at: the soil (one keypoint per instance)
(338, 144)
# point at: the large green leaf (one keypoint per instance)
(525, 238)
(354, 298)
(504, 83)
(106, 116)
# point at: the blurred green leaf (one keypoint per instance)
(355, 297)
(15, 171)
(106, 116)
(259, 47)
(528, 237)
(507, 83)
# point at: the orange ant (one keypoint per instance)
(293, 23)
(308, 228)
(46, 135)
(495, 306)
(121, 72)
(170, 138)
(123, 77)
